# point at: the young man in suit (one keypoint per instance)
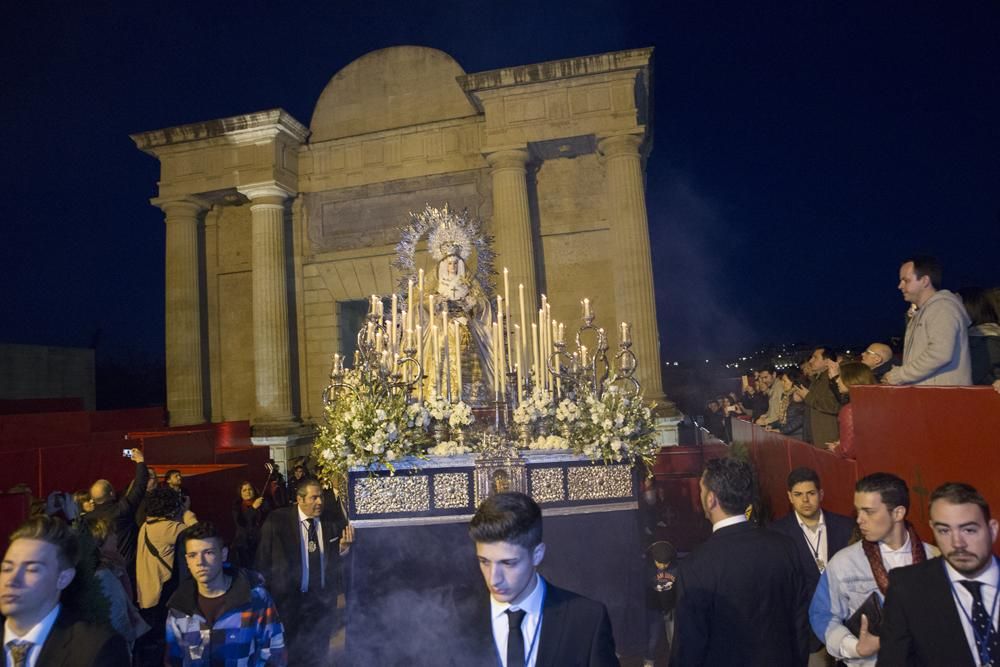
(741, 599)
(854, 574)
(531, 623)
(299, 554)
(39, 629)
(817, 534)
(944, 611)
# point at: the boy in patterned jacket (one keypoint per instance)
(221, 615)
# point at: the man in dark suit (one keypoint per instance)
(299, 555)
(943, 611)
(741, 595)
(817, 534)
(39, 628)
(529, 622)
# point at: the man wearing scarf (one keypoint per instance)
(860, 570)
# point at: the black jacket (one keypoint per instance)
(920, 623)
(73, 643)
(120, 514)
(279, 556)
(741, 600)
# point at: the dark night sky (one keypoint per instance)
(801, 148)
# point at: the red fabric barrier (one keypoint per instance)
(23, 406)
(775, 455)
(128, 420)
(169, 447)
(928, 436)
(76, 467)
(14, 508)
(19, 468)
(213, 489)
(40, 430)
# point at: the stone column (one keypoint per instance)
(512, 227)
(631, 260)
(271, 352)
(185, 394)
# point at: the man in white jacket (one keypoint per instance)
(936, 350)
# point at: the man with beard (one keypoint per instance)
(944, 611)
(857, 576)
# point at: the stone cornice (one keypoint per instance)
(243, 129)
(555, 70)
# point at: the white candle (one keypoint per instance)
(534, 351)
(583, 355)
(524, 328)
(517, 362)
(494, 360)
(586, 309)
(420, 357)
(392, 332)
(458, 360)
(541, 347)
(561, 336)
(437, 358)
(506, 300)
(420, 298)
(626, 334)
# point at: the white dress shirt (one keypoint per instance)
(900, 557)
(530, 626)
(816, 537)
(730, 521)
(36, 635)
(304, 550)
(989, 579)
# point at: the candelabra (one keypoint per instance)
(588, 366)
(382, 371)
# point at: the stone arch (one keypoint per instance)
(387, 89)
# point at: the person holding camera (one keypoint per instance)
(119, 513)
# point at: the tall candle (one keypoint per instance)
(420, 358)
(494, 351)
(586, 309)
(458, 360)
(437, 358)
(541, 347)
(506, 300)
(447, 352)
(524, 328)
(534, 352)
(420, 298)
(626, 333)
(392, 333)
(517, 359)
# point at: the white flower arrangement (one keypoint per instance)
(549, 442)
(461, 415)
(449, 448)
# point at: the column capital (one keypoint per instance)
(270, 192)
(188, 206)
(619, 144)
(511, 158)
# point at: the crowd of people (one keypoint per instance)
(137, 579)
(950, 340)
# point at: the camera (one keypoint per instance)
(127, 453)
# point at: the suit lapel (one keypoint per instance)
(947, 625)
(553, 627)
(55, 649)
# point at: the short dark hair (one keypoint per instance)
(828, 352)
(959, 493)
(305, 483)
(926, 265)
(768, 369)
(162, 503)
(508, 517)
(54, 531)
(891, 489)
(731, 480)
(662, 552)
(203, 530)
(170, 472)
(792, 373)
(803, 474)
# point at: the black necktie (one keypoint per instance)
(515, 639)
(982, 624)
(315, 559)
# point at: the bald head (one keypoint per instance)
(101, 491)
(876, 354)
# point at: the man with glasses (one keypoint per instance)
(878, 357)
